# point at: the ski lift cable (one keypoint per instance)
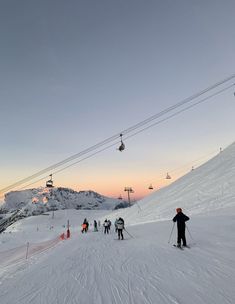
(110, 139)
(103, 142)
(188, 164)
(70, 165)
(183, 102)
(163, 176)
(126, 138)
(180, 111)
(52, 167)
(193, 162)
(106, 141)
(205, 99)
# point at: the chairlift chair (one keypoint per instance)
(122, 146)
(49, 183)
(168, 176)
(150, 187)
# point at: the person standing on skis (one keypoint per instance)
(106, 226)
(180, 218)
(115, 224)
(120, 227)
(95, 226)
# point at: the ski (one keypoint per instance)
(179, 247)
(182, 247)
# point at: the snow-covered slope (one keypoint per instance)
(201, 191)
(145, 268)
(40, 200)
(98, 269)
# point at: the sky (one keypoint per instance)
(75, 73)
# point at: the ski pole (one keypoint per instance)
(128, 233)
(190, 234)
(27, 250)
(171, 232)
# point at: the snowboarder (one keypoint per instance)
(120, 227)
(181, 218)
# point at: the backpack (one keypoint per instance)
(120, 225)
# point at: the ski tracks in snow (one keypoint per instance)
(95, 268)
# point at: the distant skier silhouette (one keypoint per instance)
(181, 218)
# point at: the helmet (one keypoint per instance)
(178, 210)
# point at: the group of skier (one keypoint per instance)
(180, 218)
(119, 226)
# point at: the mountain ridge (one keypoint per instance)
(40, 200)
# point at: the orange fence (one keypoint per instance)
(19, 254)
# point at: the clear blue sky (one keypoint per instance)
(73, 73)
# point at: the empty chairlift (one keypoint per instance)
(168, 176)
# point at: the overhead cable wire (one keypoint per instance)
(193, 162)
(180, 111)
(179, 104)
(142, 130)
(126, 131)
(68, 166)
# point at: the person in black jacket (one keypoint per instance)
(181, 218)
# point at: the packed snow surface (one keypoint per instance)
(144, 268)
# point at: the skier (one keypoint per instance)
(84, 227)
(95, 226)
(120, 227)
(115, 224)
(106, 226)
(181, 218)
(109, 225)
(85, 222)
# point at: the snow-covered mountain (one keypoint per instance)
(39, 200)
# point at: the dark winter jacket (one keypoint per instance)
(180, 218)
